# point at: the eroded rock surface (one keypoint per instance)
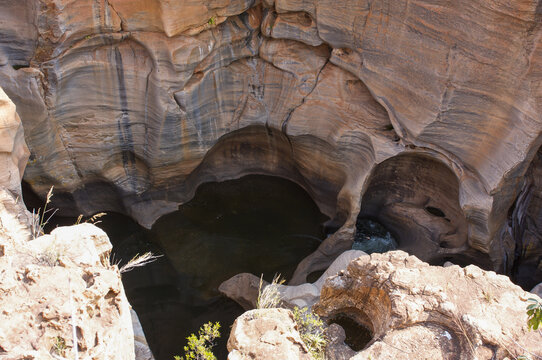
(59, 293)
(129, 105)
(412, 308)
(266, 334)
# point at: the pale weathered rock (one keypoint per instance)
(244, 288)
(58, 281)
(15, 221)
(412, 308)
(83, 244)
(266, 334)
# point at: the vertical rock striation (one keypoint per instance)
(129, 105)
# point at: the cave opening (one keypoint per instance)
(358, 336)
(415, 198)
(257, 224)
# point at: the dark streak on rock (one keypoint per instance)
(124, 126)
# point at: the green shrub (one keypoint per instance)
(534, 311)
(200, 347)
(311, 329)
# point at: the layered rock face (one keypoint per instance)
(426, 115)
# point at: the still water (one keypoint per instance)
(257, 224)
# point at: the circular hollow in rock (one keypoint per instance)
(357, 335)
(416, 197)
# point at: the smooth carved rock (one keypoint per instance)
(129, 105)
(244, 288)
(142, 350)
(15, 221)
(13, 150)
(266, 334)
(412, 308)
(537, 290)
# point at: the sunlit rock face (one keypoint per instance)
(13, 150)
(447, 313)
(129, 105)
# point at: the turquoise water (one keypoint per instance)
(256, 224)
(372, 237)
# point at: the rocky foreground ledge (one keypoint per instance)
(58, 293)
(413, 310)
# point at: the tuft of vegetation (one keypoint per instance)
(52, 253)
(488, 296)
(269, 297)
(311, 329)
(92, 220)
(534, 311)
(212, 21)
(200, 347)
(41, 218)
(139, 261)
(59, 346)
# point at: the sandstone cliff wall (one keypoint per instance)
(129, 105)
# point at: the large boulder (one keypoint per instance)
(60, 295)
(413, 309)
(269, 334)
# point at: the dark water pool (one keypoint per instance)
(256, 224)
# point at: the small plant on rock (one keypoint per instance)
(200, 347)
(212, 21)
(92, 220)
(38, 218)
(139, 261)
(269, 297)
(534, 311)
(51, 254)
(311, 329)
(59, 346)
